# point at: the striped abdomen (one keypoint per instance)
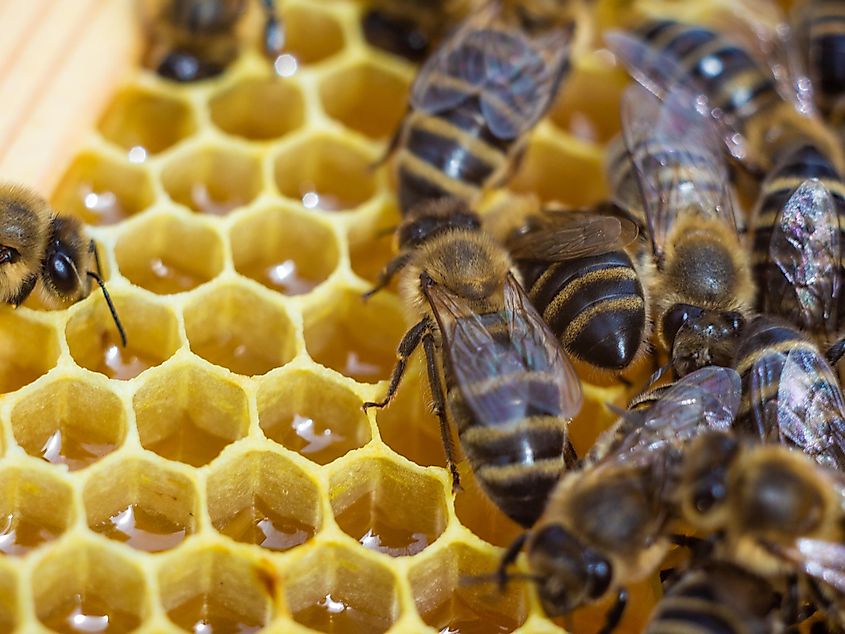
(825, 31)
(595, 305)
(518, 456)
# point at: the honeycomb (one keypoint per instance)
(218, 474)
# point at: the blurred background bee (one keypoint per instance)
(605, 525)
(820, 27)
(42, 250)
(192, 40)
(473, 101)
(702, 289)
(494, 367)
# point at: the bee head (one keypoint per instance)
(699, 337)
(569, 573)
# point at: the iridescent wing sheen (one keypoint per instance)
(811, 408)
(805, 248)
(508, 365)
(821, 559)
(763, 381)
(565, 235)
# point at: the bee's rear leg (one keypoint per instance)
(386, 275)
(409, 343)
(440, 407)
(614, 615)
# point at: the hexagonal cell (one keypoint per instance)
(312, 35)
(263, 498)
(387, 507)
(35, 508)
(259, 108)
(366, 98)
(102, 191)
(69, 422)
(212, 179)
(369, 254)
(152, 335)
(284, 250)
(334, 589)
(314, 416)
(355, 337)
(8, 599)
(28, 349)
(325, 172)
(478, 513)
(214, 590)
(86, 587)
(146, 122)
(235, 327)
(448, 603)
(168, 254)
(186, 413)
(141, 504)
(588, 106)
(558, 173)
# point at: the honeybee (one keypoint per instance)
(758, 116)
(821, 28)
(472, 103)
(197, 39)
(40, 249)
(605, 524)
(718, 597)
(509, 387)
(790, 393)
(702, 288)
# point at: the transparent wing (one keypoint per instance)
(508, 364)
(820, 559)
(763, 381)
(805, 248)
(565, 235)
(810, 407)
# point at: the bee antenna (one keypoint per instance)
(112, 309)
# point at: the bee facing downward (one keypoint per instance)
(40, 249)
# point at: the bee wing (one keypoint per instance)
(707, 399)
(566, 235)
(490, 354)
(820, 559)
(811, 408)
(805, 248)
(763, 377)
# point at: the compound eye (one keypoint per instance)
(9, 255)
(708, 495)
(62, 273)
(676, 317)
(600, 573)
(736, 322)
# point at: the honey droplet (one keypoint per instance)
(332, 614)
(89, 613)
(369, 520)
(315, 439)
(229, 351)
(459, 614)
(164, 277)
(204, 201)
(189, 443)
(282, 276)
(19, 535)
(100, 207)
(122, 363)
(259, 524)
(201, 614)
(64, 447)
(142, 529)
(360, 360)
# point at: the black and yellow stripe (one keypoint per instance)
(824, 29)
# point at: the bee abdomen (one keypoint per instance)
(827, 45)
(683, 615)
(595, 305)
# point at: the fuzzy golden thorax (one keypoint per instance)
(23, 237)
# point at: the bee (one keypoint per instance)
(42, 250)
(197, 39)
(494, 367)
(472, 103)
(605, 525)
(758, 117)
(821, 29)
(579, 269)
(790, 393)
(717, 597)
(702, 287)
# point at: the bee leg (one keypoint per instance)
(508, 557)
(24, 291)
(409, 343)
(387, 273)
(700, 548)
(440, 407)
(614, 615)
(835, 353)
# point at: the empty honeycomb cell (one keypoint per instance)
(368, 254)
(556, 172)
(325, 172)
(187, 413)
(235, 327)
(28, 349)
(145, 122)
(588, 106)
(366, 98)
(335, 589)
(212, 179)
(35, 507)
(449, 601)
(140, 503)
(259, 108)
(314, 416)
(8, 599)
(86, 587)
(212, 589)
(312, 35)
(386, 507)
(284, 250)
(263, 498)
(355, 337)
(169, 254)
(152, 335)
(103, 191)
(69, 422)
